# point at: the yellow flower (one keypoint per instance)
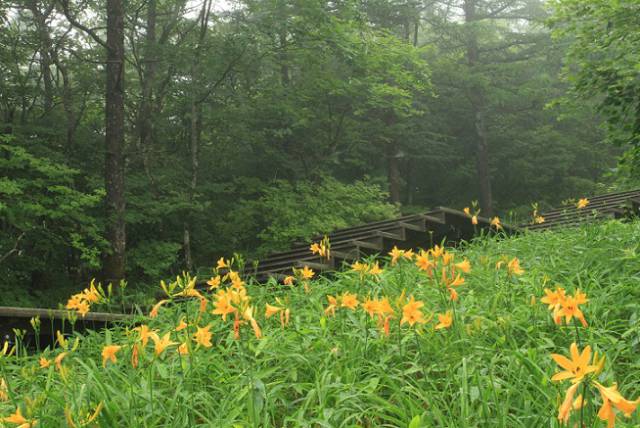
(288, 280)
(408, 254)
(183, 349)
(248, 315)
(44, 363)
(411, 312)
(565, 408)
(495, 222)
(553, 298)
(135, 356)
(575, 368)
(464, 266)
(223, 306)
(58, 360)
(349, 301)
(569, 309)
(445, 320)
(271, 310)
(109, 353)
(424, 263)
(374, 269)
(144, 333)
(437, 251)
(307, 273)
(582, 203)
(513, 267)
(610, 396)
(221, 264)
(371, 306)
(18, 419)
(333, 304)
(160, 344)
(474, 220)
(4, 396)
(214, 282)
(203, 336)
(467, 211)
(156, 307)
(395, 254)
(538, 219)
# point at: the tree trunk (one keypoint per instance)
(195, 130)
(114, 267)
(478, 130)
(40, 19)
(393, 172)
(145, 124)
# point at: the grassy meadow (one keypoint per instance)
(402, 346)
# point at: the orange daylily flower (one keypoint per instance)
(214, 282)
(575, 368)
(58, 360)
(565, 408)
(109, 354)
(162, 343)
(611, 396)
(349, 301)
(569, 309)
(156, 307)
(424, 263)
(513, 267)
(307, 273)
(223, 306)
(44, 363)
(288, 280)
(371, 306)
(271, 310)
(19, 419)
(4, 389)
(181, 325)
(553, 298)
(464, 266)
(221, 263)
(445, 320)
(203, 336)
(374, 269)
(582, 203)
(333, 304)
(144, 333)
(411, 312)
(495, 222)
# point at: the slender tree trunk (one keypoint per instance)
(478, 108)
(45, 49)
(114, 268)
(195, 130)
(67, 105)
(145, 124)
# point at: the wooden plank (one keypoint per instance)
(14, 312)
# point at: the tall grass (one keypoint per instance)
(490, 369)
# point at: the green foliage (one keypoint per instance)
(286, 212)
(270, 122)
(601, 64)
(40, 212)
(491, 369)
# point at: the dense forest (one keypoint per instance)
(143, 138)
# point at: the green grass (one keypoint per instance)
(492, 368)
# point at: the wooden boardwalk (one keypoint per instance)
(352, 243)
(52, 320)
(619, 205)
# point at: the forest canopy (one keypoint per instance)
(142, 138)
